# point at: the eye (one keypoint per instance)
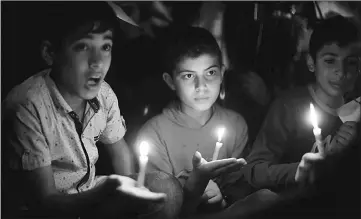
(212, 72)
(81, 47)
(187, 76)
(107, 47)
(330, 61)
(353, 61)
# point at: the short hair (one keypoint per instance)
(158, 181)
(61, 19)
(188, 42)
(337, 29)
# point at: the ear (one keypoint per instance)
(223, 69)
(310, 63)
(168, 80)
(46, 53)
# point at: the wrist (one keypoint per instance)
(199, 178)
(195, 185)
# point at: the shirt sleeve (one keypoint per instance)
(26, 146)
(264, 169)
(158, 154)
(115, 127)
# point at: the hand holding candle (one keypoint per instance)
(316, 129)
(218, 144)
(143, 160)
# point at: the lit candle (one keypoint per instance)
(316, 129)
(143, 160)
(218, 144)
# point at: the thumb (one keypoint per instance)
(310, 158)
(197, 157)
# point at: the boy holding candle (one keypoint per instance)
(54, 119)
(192, 129)
(280, 158)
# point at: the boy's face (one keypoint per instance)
(197, 81)
(83, 63)
(337, 67)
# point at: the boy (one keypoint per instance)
(280, 158)
(183, 137)
(55, 118)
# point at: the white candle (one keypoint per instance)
(218, 144)
(316, 129)
(143, 160)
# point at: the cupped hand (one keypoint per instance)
(307, 169)
(213, 169)
(128, 187)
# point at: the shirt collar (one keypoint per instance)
(323, 106)
(58, 99)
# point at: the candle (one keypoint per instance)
(316, 129)
(143, 160)
(218, 143)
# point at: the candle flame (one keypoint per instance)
(313, 116)
(144, 148)
(220, 133)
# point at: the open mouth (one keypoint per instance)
(94, 80)
(336, 85)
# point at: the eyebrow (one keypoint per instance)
(213, 66)
(329, 54)
(108, 36)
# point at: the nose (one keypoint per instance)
(96, 60)
(340, 71)
(200, 84)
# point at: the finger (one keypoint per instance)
(347, 129)
(197, 157)
(228, 169)
(143, 194)
(204, 197)
(242, 161)
(351, 124)
(340, 141)
(223, 161)
(234, 165)
(211, 193)
(344, 135)
(310, 158)
(215, 199)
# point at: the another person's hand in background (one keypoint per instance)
(212, 197)
(344, 137)
(308, 168)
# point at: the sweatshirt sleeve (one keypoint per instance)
(158, 154)
(264, 169)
